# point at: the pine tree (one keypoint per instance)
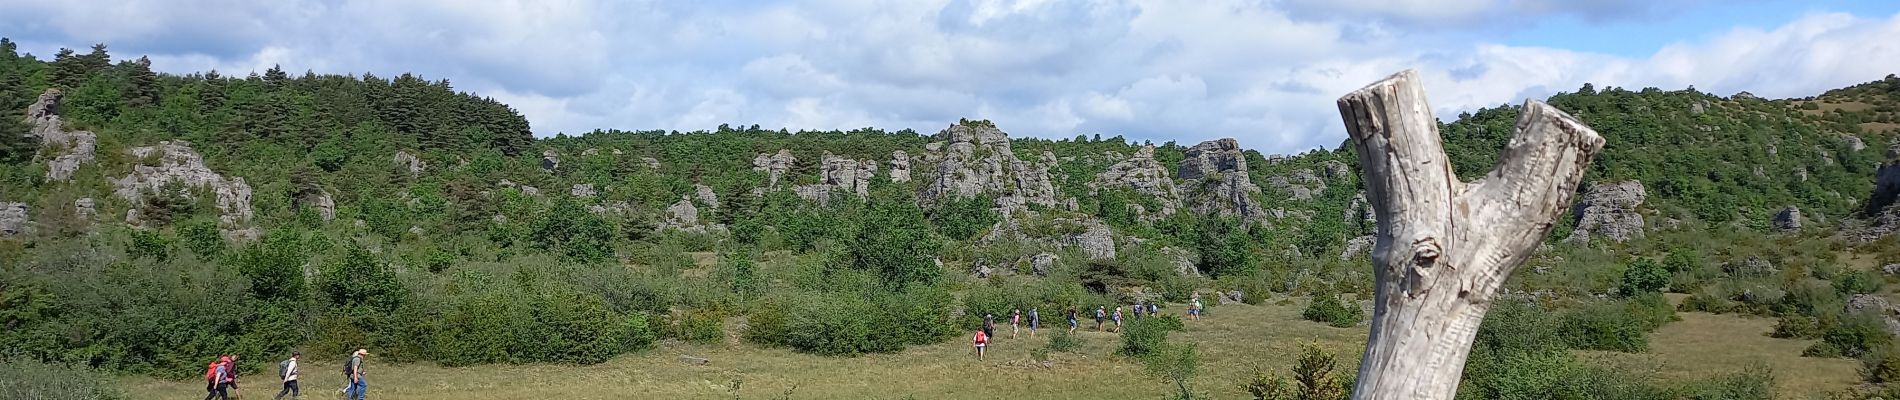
(142, 90)
(68, 70)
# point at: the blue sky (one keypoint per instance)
(1263, 71)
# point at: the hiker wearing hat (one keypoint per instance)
(353, 369)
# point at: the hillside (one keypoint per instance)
(324, 212)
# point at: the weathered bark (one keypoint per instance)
(1444, 246)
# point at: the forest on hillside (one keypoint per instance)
(402, 214)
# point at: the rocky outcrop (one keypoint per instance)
(1609, 211)
(583, 190)
(1335, 169)
(1183, 260)
(839, 174)
(1883, 217)
(550, 160)
(974, 158)
(1752, 266)
(1853, 143)
(409, 162)
(1788, 219)
(176, 162)
(775, 166)
(705, 195)
(1145, 176)
(85, 207)
(1215, 173)
(326, 206)
(1095, 241)
(900, 166)
(684, 215)
(1357, 247)
(1042, 263)
(72, 148)
(13, 219)
(1875, 306)
(1302, 185)
(1890, 269)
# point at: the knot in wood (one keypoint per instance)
(1425, 252)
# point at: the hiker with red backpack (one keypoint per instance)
(218, 378)
(981, 340)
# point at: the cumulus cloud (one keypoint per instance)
(1265, 72)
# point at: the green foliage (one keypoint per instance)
(361, 280)
(1643, 276)
(202, 237)
(149, 245)
(274, 267)
(1226, 248)
(1313, 378)
(700, 326)
(1853, 336)
(895, 243)
(1176, 363)
(849, 324)
(27, 379)
(1618, 325)
(1328, 309)
(962, 218)
(1063, 342)
(1858, 282)
(1145, 336)
(569, 230)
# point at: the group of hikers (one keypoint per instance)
(983, 336)
(221, 376)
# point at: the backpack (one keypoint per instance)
(349, 367)
(283, 369)
(211, 371)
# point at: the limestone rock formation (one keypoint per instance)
(326, 206)
(583, 190)
(705, 195)
(13, 219)
(1335, 169)
(1890, 269)
(1042, 263)
(1752, 266)
(774, 166)
(177, 162)
(1876, 306)
(550, 160)
(1609, 211)
(85, 207)
(1215, 173)
(900, 166)
(684, 215)
(839, 174)
(649, 161)
(1184, 263)
(1302, 185)
(1142, 174)
(974, 159)
(590, 152)
(1884, 218)
(73, 147)
(1095, 240)
(1357, 246)
(409, 162)
(1788, 219)
(1853, 143)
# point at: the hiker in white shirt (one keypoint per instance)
(287, 370)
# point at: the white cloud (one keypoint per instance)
(1263, 71)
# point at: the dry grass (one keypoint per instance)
(1231, 341)
(1703, 345)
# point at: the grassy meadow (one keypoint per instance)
(1232, 340)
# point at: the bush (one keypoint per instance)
(1643, 276)
(1616, 325)
(1795, 326)
(1854, 336)
(1327, 308)
(1858, 282)
(700, 326)
(1144, 336)
(847, 324)
(1062, 341)
(1881, 367)
(27, 379)
(1313, 378)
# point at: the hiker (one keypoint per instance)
(1118, 318)
(981, 340)
(287, 370)
(989, 324)
(1015, 322)
(1101, 315)
(353, 369)
(1197, 309)
(1072, 321)
(1138, 309)
(1035, 321)
(217, 375)
(234, 377)
(1154, 309)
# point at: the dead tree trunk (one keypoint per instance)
(1444, 246)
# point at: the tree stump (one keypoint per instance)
(1444, 246)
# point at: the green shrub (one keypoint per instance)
(1881, 367)
(1313, 378)
(1854, 336)
(1643, 276)
(1142, 337)
(1062, 341)
(1858, 282)
(1326, 308)
(1622, 325)
(27, 379)
(1795, 326)
(700, 326)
